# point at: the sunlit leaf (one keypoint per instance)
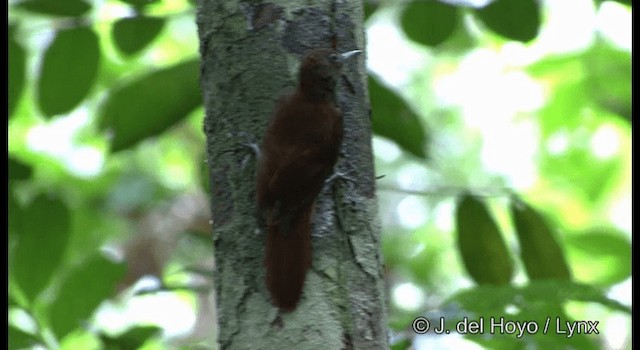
(17, 61)
(600, 255)
(515, 20)
(68, 71)
(577, 169)
(41, 232)
(393, 119)
(480, 243)
(66, 8)
(82, 338)
(541, 252)
(568, 122)
(131, 35)
(149, 105)
(82, 291)
(429, 22)
(567, 75)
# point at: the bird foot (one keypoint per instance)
(246, 144)
(337, 175)
(250, 143)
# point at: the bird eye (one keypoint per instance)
(333, 57)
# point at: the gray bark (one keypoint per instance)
(250, 54)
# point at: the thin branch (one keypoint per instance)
(198, 288)
(451, 191)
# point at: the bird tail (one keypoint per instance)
(288, 257)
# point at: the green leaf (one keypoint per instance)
(370, 8)
(139, 3)
(423, 266)
(573, 115)
(402, 344)
(131, 35)
(18, 170)
(17, 69)
(609, 78)
(393, 248)
(429, 22)
(19, 339)
(69, 70)
(539, 302)
(562, 108)
(81, 338)
(579, 170)
(133, 338)
(515, 20)
(85, 287)
(481, 245)
(496, 299)
(41, 232)
(400, 319)
(624, 2)
(71, 8)
(420, 267)
(14, 215)
(601, 256)
(151, 104)
(393, 119)
(541, 253)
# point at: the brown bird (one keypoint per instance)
(298, 153)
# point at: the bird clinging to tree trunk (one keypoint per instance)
(299, 150)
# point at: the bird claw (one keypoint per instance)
(250, 144)
(246, 144)
(337, 175)
(255, 149)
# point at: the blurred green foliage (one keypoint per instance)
(105, 137)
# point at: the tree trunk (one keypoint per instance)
(250, 54)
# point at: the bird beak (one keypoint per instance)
(345, 56)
